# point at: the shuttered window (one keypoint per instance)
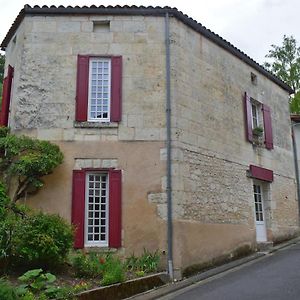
(258, 115)
(96, 208)
(6, 96)
(99, 89)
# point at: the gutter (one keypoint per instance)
(169, 148)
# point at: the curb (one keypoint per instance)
(175, 286)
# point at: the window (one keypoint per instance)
(96, 208)
(259, 216)
(255, 115)
(96, 212)
(6, 96)
(258, 121)
(98, 91)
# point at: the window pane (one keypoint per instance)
(100, 74)
(97, 222)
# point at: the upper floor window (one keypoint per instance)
(99, 87)
(258, 121)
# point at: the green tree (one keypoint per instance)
(24, 161)
(285, 64)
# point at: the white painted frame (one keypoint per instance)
(260, 225)
(258, 111)
(88, 243)
(96, 119)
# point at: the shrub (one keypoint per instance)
(147, 262)
(42, 240)
(7, 291)
(88, 265)
(113, 271)
(37, 284)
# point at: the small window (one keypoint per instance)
(99, 90)
(253, 78)
(96, 212)
(101, 26)
(256, 112)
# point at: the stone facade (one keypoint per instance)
(212, 192)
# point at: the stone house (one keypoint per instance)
(173, 138)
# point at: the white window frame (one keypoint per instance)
(260, 204)
(258, 112)
(99, 119)
(100, 243)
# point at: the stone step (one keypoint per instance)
(264, 246)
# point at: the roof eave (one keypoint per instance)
(134, 10)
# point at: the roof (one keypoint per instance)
(295, 118)
(145, 11)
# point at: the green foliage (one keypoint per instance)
(26, 160)
(7, 291)
(285, 64)
(8, 223)
(94, 265)
(42, 240)
(36, 284)
(88, 265)
(258, 131)
(147, 262)
(113, 271)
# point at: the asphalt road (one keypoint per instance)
(276, 277)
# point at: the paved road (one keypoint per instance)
(276, 277)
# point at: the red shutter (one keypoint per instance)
(267, 126)
(248, 118)
(115, 192)
(78, 207)
(7, 84)
(261, 173)
(116, 89)
(82, 88)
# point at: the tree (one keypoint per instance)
(24, 161)
(285, 64)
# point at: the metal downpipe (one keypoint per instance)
(168, 124)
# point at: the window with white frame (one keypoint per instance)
(99, 89)
(96, 213)
(258, 202)
(256, 111)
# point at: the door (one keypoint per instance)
(261, 234)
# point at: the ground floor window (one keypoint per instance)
(96, 208)
(96, 212)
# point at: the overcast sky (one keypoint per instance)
(252, 26)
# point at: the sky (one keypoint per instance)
(252, 26)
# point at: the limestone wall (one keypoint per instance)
(211, 183)
(45, 78)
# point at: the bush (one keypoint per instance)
(88, 265)
(113, 271)
(147, 262)
(7, 291)
(42, 240)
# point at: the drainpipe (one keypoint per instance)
(169, 179)
(296, 164)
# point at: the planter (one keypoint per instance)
(125, 289)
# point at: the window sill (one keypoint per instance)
(95, 125)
